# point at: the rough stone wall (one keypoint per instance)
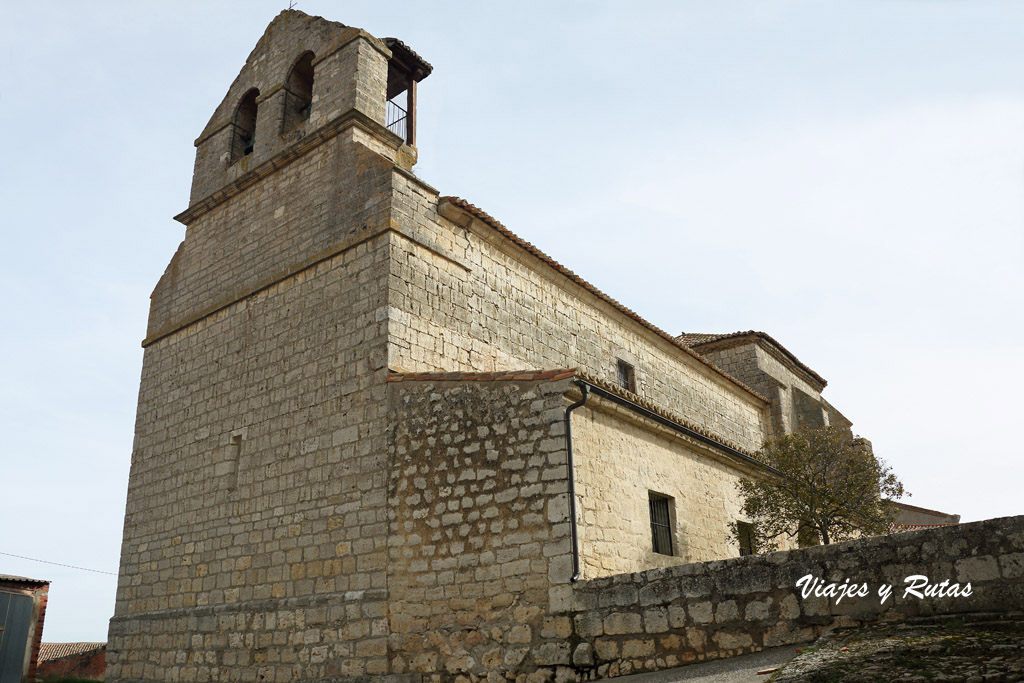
(795, 401)
(255, 528)
(662, 618)
(620, 458)
(836, 418)
(480, 532)
(468, 299)
(807, 412)
(741, 361)
(307, 210)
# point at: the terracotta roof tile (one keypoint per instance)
(424, 65)
(663, 412)
(695, 339)
(501, 229)
(48, 651)
(10, 578)
(899, 528)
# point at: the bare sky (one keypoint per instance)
(846, 176)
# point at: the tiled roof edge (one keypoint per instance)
(51, 651)
(899, 528)
(564, 373)
(9, 578)
(663, 412)
(501, 229)
(424, 64)
(715, 338)
(504, 376)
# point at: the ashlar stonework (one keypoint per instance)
(380, 435)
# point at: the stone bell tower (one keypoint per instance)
(255, 532)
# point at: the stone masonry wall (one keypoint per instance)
(256, 526)
(766, 374)
(666, 617)
(480, 533)
(469, 299)
(349, 72)
(620, 458)
(305, 211)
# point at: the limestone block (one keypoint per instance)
(977, 569)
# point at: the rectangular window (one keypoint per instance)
(627, 378)
(745, 530)
(661, 523)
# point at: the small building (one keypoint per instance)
(22, 609)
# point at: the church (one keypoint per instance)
(379, 434)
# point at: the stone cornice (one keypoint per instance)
(351, 118)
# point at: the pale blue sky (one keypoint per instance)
(846, 176)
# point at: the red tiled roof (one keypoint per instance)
(22, 579)
(694, 339)
(501, 229)
(424, 66)
(899, 528)
(48, 651)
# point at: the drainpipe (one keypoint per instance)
(573, 532)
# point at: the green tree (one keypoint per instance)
(829, 484)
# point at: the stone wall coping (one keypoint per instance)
(353, 117)
(814, 554)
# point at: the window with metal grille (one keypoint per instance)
(745, 531)
(661, 523)
(626, 376)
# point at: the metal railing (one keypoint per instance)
(397, 118)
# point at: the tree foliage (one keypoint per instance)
(830, 484)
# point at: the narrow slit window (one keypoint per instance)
(626, 376)
(661, 523)
(236, 456)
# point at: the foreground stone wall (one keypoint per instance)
(665, 617)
